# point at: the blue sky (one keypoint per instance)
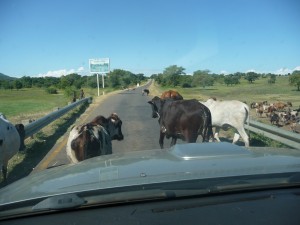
(57, 37)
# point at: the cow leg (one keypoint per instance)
(173, 141)
(235, 138)
(191, 137)
(4, 172)
(161, 139)
(244, 137)
(217, 130)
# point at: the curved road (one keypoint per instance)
(140, 130)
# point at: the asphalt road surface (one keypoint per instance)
(140, 130)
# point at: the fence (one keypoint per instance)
(286, 137)
(35, 126)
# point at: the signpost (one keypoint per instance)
(99, 66)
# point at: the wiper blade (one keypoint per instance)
(66, 201)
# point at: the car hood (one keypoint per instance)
(181, 162)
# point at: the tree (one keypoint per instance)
(295, 79)
(6, 84)
(26, 81)
(251, 76)
(171, 75)
(202, 78)
(272, 79)
(231, 80)
(17, 84)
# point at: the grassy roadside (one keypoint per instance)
(37, 147)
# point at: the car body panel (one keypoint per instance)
(179, 163)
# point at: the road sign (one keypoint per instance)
(99, 66)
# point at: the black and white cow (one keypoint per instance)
(94, 138)
(145, 92)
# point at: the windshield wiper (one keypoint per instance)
(66, 201)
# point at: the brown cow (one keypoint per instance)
(171, 94)
(279, 105)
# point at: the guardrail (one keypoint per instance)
(286, 137)
(35, 126)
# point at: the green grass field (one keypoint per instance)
(28, 101)
(259, 91)
(33, 103)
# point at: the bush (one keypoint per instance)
(51, 90)
(71, 92)
(186, 85)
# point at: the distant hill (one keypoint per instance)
(5, 77)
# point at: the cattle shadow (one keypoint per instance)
(127, 93)
(41, 145)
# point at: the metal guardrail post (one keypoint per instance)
(37, 125)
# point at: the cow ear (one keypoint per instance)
(112, 120)
(150, 102)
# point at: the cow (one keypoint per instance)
(171, 94)
(274, 119)
(184, 119)
(94, 138)
(259, 111)
(145, 92)
(279, 105)
(230, 113)
(10, 142)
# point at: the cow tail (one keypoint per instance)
(207, 125)
(247, 120)
(105, 145)
(209, 128)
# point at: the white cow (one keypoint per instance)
(10, 143)
(229, 113)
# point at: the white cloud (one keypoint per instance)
(283, 71)
(224, 72)
(80, 69)
(62, 72)
(297, 68)
(251, 70)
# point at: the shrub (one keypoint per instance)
(186, 85)
(51, 90)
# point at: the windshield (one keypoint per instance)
(98, 95)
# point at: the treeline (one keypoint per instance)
(172, 76)
(175, 76)
(115, 79)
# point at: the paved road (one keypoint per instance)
(140, 130)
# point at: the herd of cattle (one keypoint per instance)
(177, 118)
(278, 113)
